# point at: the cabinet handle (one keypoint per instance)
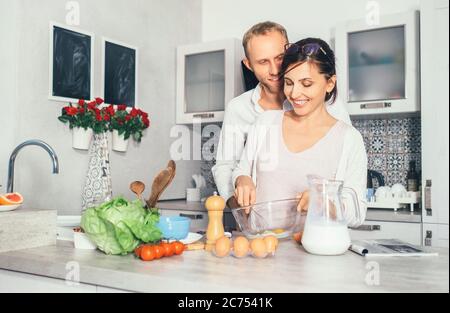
(204, 115)
(428, 208)
(192, 216)
(368, 228)
(376, 105)
(428, 238)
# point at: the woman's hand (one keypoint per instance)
(303, 202)
(245, 192)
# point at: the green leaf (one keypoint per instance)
(118, 226)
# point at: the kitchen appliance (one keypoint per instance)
(326, 231)
(371, 175)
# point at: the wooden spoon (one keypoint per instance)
(138, 188)
(160, 183)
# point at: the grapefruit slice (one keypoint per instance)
(11, 198)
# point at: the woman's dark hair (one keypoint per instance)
(313, 50)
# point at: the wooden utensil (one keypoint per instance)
(215, 206)
(198, 245)
(160, 183)
(138, 188)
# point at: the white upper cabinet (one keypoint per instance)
(378, 65)
(435, 111)
(209, 75)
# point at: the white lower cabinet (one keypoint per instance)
(12, 282)
(408, 232)
(199, 219)
(15, 282)
(435, 235)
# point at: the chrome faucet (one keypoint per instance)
(12, 159)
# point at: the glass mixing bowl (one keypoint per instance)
(279, 218)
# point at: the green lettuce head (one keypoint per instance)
(119, 226)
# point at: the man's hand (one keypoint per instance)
(245, 191)
(303, 202)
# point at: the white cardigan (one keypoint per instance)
(240, 114)
(352, 167)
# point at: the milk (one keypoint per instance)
(326, 238)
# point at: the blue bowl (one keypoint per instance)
(174, 227)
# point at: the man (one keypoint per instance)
(264, 46)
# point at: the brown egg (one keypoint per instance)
(271, 244)
(258, 247)
(222, 247)
(240, 247)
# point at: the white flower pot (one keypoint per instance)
(118, 142)
(81, 138)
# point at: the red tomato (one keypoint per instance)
(147, 253)
(178, 247)
(167, 248)
(159, 251)
(137, 251)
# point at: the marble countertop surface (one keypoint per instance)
(292, 269)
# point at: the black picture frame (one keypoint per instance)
(120, 73)
(71, 64)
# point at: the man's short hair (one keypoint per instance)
(262, 29)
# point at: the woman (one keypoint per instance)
(283, 147)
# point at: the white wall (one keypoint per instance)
(231, 18)
(156, 27)
(8, 78)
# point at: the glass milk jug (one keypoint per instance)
(325, 231)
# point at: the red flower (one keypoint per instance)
(99, 101)
(81, 102)
(128, 117)
(110, 110)
(96, 110)
(98, 117)
(134, 112)
(71, 111)
(92, 105)
(81, 110)
(106, 117)
(146, 122)
(121, 107)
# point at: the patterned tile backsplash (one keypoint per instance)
(390, 144)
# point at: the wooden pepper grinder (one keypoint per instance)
(215, 206)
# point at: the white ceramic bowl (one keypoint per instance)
(9, 207)
(82, 241)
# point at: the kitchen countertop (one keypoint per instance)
(290, 270)
(402, 215)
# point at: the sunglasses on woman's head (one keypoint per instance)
(308, 50)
